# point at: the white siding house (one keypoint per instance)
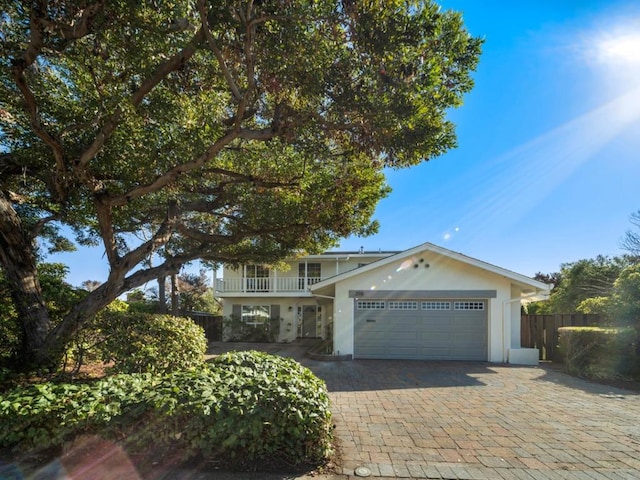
(423, 303)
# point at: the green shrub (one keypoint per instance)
(244, 407)
(597, 352)
(141, 342)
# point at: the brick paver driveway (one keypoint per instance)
(469, 420)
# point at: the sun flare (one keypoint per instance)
(622, 49)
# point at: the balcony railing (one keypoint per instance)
(265, 285)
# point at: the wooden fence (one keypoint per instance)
(541, 331)
(212, 325)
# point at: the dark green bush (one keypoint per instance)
(141, 342)
(244, 407)
(597, 352)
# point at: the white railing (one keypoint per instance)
(265, 285)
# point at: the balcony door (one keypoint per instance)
(257, 278)
(308, 274)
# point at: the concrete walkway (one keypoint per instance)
(412, 419)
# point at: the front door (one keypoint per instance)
(309, 318)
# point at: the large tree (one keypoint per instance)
(229, 130)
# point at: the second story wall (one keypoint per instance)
(301, 273)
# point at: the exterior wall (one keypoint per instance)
(331, 264)
(515, 318)
(290, 320)
(443, 273)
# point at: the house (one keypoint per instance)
(423, 303)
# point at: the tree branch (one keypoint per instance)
(20, 64)
(216, 51)
(161, 237)
(173, 173)
(174, 63)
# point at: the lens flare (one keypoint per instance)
(405, 265)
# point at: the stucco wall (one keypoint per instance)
(288, 312)
(443, 273)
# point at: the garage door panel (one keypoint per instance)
(398, 338)
(372, 352)
(435, 354)
(406, 321)
(469, 352)
(405, 352)
(372, 338)
(469, 323)
(453, 334)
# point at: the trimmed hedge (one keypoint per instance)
(243, 407)
(597, 352)
(139, 342)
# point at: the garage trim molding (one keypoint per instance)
(440, 294)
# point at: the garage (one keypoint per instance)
(421, 328)
(429, 303)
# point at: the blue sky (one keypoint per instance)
(547, 169)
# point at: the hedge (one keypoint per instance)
(598, 352)
(243, 407)
(137, 342)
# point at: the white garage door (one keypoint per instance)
(425, 329)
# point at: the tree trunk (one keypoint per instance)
(116, 285)
(174, 296)
(162, 295)
(19, 263)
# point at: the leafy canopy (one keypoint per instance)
(232, 131)
(226, 116)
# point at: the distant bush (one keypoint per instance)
(243, 408)
(597, 352)
(141, 342)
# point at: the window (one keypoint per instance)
(311, 272)
(403, 305)
(256, 315)
(257, 271)
(436, 305)
(468, 305)
(370, 305)
(257, 278)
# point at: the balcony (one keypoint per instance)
(284, 285)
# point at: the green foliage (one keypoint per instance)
(241, 131)
(140, 342)
(84, 345)
(192, 290)
(625, 301)
(578, 281)
(597, 352)
(57, 294)
(596, 306)
(622, 306)
(244, 407)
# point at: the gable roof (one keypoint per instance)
(529, 285)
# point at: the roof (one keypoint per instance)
(529, 284)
